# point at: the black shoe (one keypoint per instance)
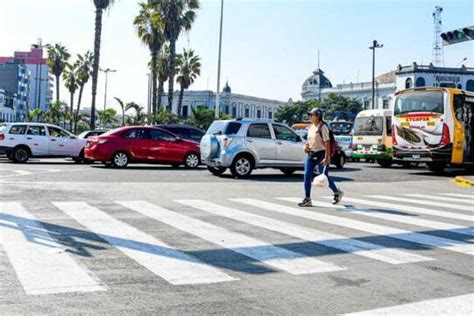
(337, 197)
(306, 203)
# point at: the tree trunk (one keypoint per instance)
(154, 58)
(71, 111)
(95, 66)
(160, 93)
(123, 116)
(180, 100)
(76, 116)
(57, 88)
(171, 74)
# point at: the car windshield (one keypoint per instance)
(83, 134)
(224, 128)
(341, 128)
(344, 139)
(419, 101)
(368, 126)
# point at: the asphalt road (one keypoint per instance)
(161, 240)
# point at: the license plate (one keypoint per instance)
(415, 156)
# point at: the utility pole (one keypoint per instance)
(106, 71)
(374, 46)
(219, 65)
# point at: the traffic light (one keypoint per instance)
(458, 36)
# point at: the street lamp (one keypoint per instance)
(219, 65)
(106, 71)
(463, 60)
(375, 45)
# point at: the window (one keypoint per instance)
(366, 104)
(470, 85)
(18, 130)
(259, 114)
(247, 113)
(408, 83)
(135, 133)
(185, 111)
(57, 132)
(221, 128)
(270, 115)
(419, 101)
(284, 133)
(156, 134)
(388, 121)
(195, 135)
(420, 82)
(385, 104)
(459, 86)
(368, 126)
(36, 131)
(259, 131)
(234, 111)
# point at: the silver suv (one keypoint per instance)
(246, 144)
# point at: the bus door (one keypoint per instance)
(464, 109)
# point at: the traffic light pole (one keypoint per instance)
(375, 45)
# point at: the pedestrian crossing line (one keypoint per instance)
(413, 209)
(170, 264)
(277, 257)
(40, 263)
(465, 196)
(349, 245)
(425, 202)
(463, 230)
(22, 172)
(376, 229)
(456, 305)
(442, 198)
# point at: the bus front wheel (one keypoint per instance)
(436, 167)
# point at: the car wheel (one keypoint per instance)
(120, 160)
(20, 154)
(217, 171)
(242, 167)
(340, 162)
(436, 167)
(385, 163)
(191, 161)
(288, 171)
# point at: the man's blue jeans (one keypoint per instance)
(309, 165)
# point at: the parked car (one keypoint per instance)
(243, 145)
(142, 144)
(184, 131)
(20, 141)
(345, 142)
(87, 134)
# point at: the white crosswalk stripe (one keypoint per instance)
(442, 198)
(465, 196)
(40, 262)
(396, 233)
(425, 202)
(413, 209)
(464, 230)
(172, 265)
(349, 245)
(273, 256)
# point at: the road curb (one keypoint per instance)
(466, 182)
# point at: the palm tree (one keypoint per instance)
(100, 6)
(149, 29)
(71, 83)
(54, 113)
(163, 71)
(84, 68)
(58, 56)
(107, 117)
(189, 68)
(177, 15)
(35, 115)
(139, 117)
(125, 108)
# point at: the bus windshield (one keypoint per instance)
(419, 101)
(368, 126)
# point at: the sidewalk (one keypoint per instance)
(464, 181)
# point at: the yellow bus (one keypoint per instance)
(435, 126)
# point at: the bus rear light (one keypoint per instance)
(445, 137)
(2, 136)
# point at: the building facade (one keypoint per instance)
(15, 82)
(235, 105)
(387, 84)
(8, 104)
(41, 83)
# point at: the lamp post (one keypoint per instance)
(375, 45)
(106, 71)
(219, 65)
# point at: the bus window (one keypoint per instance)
(368, 126)
(419, 101)
(388, 121)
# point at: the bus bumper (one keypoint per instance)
(371, 155)
(441, 154)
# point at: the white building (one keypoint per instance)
(236, 105)
(8, 104)
(403, 77)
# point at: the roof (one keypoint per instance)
(463, 70)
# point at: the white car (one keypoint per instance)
(20, 141)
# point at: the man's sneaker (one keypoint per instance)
(337, 197)
(305, 203)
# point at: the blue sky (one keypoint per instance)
(269, 46)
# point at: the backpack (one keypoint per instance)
(332, 139)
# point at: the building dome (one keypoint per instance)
(227, 88)
(316, 80)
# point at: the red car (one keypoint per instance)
(140, 144)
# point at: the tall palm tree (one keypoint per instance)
(100, 6)
(125, 107)
(58, 56)
(84, 69)
(163, 71)
(107, 117)
(177, 15)
(71, 83)
(149, 29)
(139, 117)
(189, 67)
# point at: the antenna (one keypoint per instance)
(318, 58)
(438, 56)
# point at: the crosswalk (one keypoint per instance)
(43, 265)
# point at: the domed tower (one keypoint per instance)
(227, 88)
(312, 85)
